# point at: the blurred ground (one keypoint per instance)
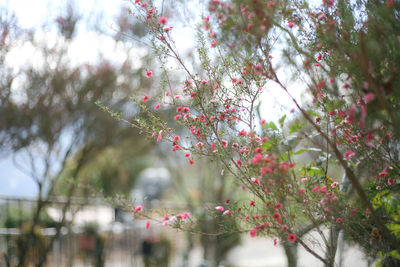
(261, 252)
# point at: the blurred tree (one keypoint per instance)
(52, 128)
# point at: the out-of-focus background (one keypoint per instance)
(70, 174)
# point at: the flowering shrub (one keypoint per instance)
(335, 51)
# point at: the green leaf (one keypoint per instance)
(295, 127)
(309, 149)
(282, 120)
(270, 125)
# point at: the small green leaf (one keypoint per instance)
(282, 120)
(303, 150)
(270, 125)
(295, 127)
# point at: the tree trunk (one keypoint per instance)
(291, 254)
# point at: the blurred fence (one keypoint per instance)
(94, 234)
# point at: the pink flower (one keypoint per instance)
(187, 155)
(328, 3)
(224, 143)
(163, 20)
(227, 212)
(303, 180)
(214, 43)
(149, 73)
(219, 208)
(253, 232)
(349, 154)
(167, 29)
(157, 106)
(147, 225)
(368, 97)
(242, 133)
(262, 122)
(276, 216)
(213, 148)
(257, 158)
(291, 24)
(275, 241)
(383, 174)
(323, 189)
(138, 208)
(145, 98)
(204, 82)
(191, 161)
(391, 181)
(292, 238)
(200, 145)
(177, 139)
(334, 184)
(339, 220)
(252, 203)
(301, 191)
(159, 136)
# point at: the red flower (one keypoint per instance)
(145, 98)
(149, 73)
(147, 225)
(213, 148)
(163, 20)
(276, 216)
(383, 174)
(242, 133)
(220, 208)
(138, 208)
(292, 238)
(253, 232)
(349, 154)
